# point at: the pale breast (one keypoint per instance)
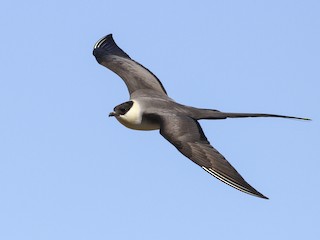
(133, 119)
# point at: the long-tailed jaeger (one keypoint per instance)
(150, 108)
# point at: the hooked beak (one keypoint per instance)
(113, 114)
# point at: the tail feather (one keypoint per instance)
(214, 114)
(243, 115)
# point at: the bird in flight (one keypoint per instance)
(150, 108)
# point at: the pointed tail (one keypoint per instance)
(243, 115)
(214, 114)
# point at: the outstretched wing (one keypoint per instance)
(187, 136)
(133, 74)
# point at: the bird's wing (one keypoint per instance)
(133, 74)
(188, 137)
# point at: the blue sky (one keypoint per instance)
(67, 171)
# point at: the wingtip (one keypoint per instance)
(103, 40)
(107, 46)
(255, 193)
(262, 196)
(243, 187)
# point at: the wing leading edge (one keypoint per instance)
(188, 137)
(134, 75)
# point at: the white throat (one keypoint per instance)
(133, 119)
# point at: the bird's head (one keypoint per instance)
(121, 109)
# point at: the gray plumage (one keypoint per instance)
(150, 108)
